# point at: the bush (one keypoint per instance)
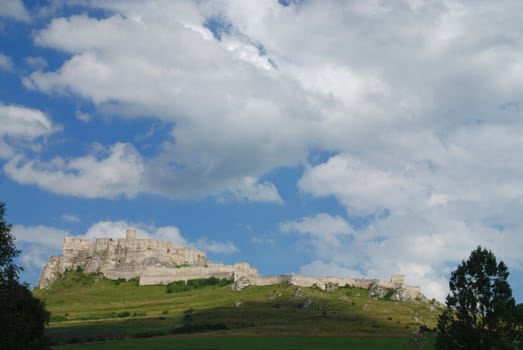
(118, 281)
(182, 286)
(177, 287)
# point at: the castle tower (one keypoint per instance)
(398, 280)
(130, 234)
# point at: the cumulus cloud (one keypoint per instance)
(70, 218)
(38, 244)
(248, 188)
(224, 107)
(216, 247)
(41, 235)
(428, 206)
(18, 121)
(86, 118)
(5, 62)
(117, 172)
(322, 225)
(424, 117)
(318, 268)
(36, 62)
(21, 127)
(323, 236)
(14, 9)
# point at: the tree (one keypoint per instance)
(8, 270)
(481, 312)
(22, 316)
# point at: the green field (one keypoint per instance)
(254, 343)
(119, 314)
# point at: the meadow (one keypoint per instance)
(255, 343)
(121, 314)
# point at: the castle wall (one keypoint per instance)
(162, 275)
(157, 262)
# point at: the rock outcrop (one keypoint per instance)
(158, 262)
(119, 258)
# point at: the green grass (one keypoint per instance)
(252, 343)
(88, 308)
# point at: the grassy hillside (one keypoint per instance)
(254, 343)
(91, 308)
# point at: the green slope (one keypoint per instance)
(91, 308)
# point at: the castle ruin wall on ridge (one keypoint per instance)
(157, 262)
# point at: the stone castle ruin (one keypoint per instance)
(159, 262)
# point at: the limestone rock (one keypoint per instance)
(401, 294)
(118, 258)
(240, 283)
(331, 287)
(377, 291)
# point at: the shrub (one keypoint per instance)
(177, 286)
(182, 286)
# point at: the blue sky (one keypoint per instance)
(361, 138)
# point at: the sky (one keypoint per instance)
(325, 138)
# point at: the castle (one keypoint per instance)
(158, 262)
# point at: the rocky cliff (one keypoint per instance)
(119, 258)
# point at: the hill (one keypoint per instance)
(89, 307)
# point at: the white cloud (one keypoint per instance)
(41, 235)
(119, 172)
(325, 232)
(320, 225)
(318, 268)
(224, 108)
(21, 126)
(5, 62)
(112, 229)
(18, 121)
(361, 188)
(249, 189)
(86, 118)
(14, 9)
(70, 218)
(38, 244)
(216, 247)
(36, 62)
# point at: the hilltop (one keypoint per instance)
(111, 289)
(89, 307)
(154, 262)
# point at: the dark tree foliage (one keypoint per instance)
(520, 314)
(481, 312)
(22, 316)
(8, 251)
